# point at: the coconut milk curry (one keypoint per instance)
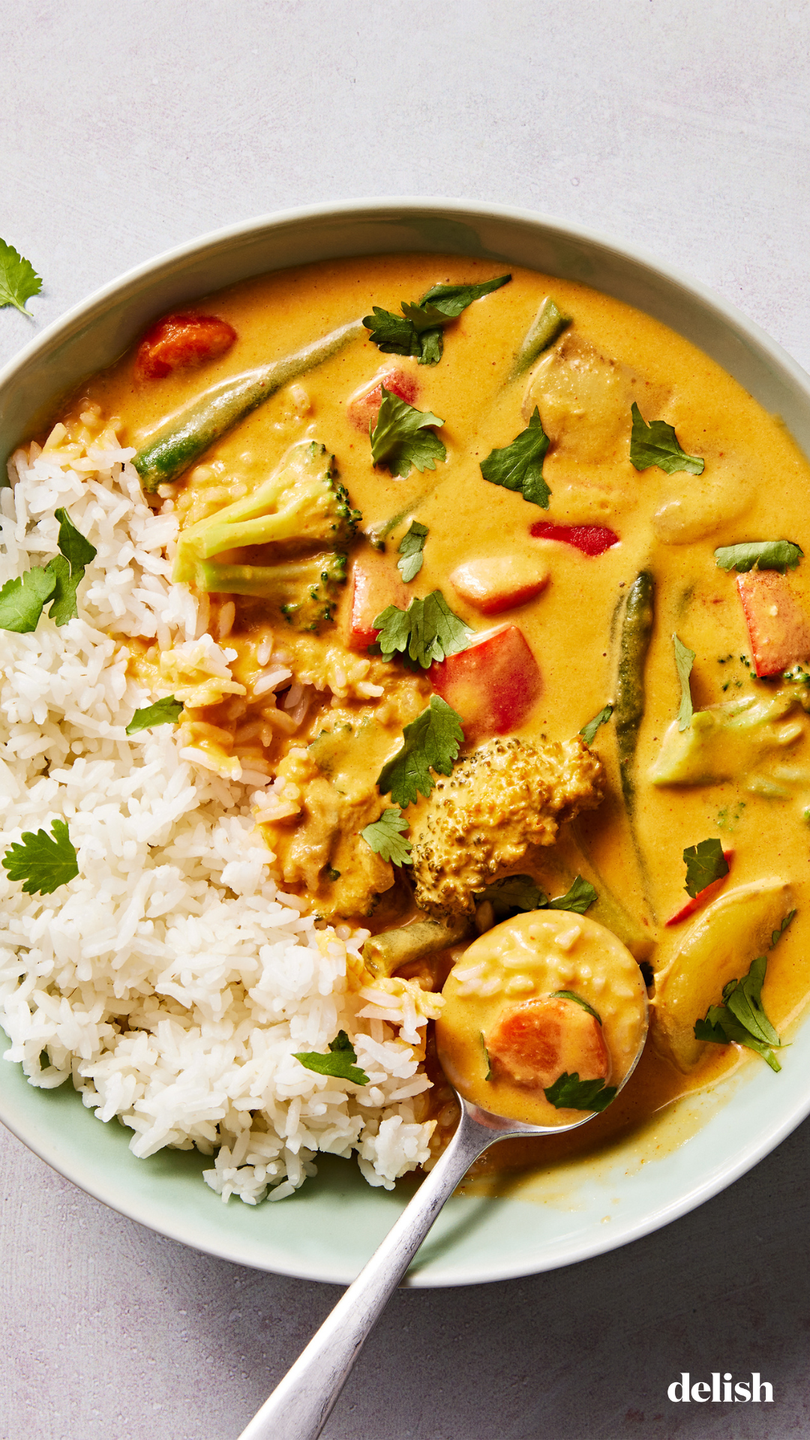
(544, 509)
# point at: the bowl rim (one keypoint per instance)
(754, 341)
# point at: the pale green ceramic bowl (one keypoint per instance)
(328, 1229)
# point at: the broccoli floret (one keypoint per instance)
(300, 502)
(483, 821)
(301, 591)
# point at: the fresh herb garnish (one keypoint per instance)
(570, 1093)
(572, 995)
(580, 896)
(778, 555)
(517, 894)
(402, 437)
(588, 732)
(430, 742)
(704, 862)
(163, 712)
(684, 660)
(519, 466)
(488, 1075)
(776, 935)
(411, 547)
(22, 600)
(418, 331)
(42, 861)
(428, 630)
(386, 837)
(741, 1019)
(657, 444)
(340, 1062)
(18, 279)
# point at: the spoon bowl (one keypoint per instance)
(301, 1403)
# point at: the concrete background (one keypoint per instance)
(679, 127)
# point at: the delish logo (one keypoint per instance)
(700, 1390)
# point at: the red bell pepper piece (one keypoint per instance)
(493, 686)
(590, 539)
(178, 342)
(374, 584)
(777, 627)
(502, 582)
(364, 405)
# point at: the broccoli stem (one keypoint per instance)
(388, 952)
(548, 323)
(187, 435)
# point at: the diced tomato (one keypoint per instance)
(363, 407)
(493, 685)
(590, 539)
(178, 342)
(499, 583)
(696, 902)
(537, 1041)
(374, 583)
(778, 628)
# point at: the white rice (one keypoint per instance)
(171, 981)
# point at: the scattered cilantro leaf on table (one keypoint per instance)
(42, 861)
(402, 437)
(163, 712)
(418, 331)
(572, 995)
(386, 836)
(570, 1093)
(19, 281)
(430, 743)
(704, 862)
(588, 732)
(428, 630)
(657, 444)
(519, 466)
(411, 547)
(684, 660)
(778, 555)
(339, 1062)
(22, 599)
(578, 898)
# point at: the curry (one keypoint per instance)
(513, 637)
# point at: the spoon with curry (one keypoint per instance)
(544, 1020)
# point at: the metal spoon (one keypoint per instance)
(301, 1404)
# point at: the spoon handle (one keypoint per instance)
(300, 1405)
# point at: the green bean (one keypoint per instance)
(187, 435)
(389, 951)
(548, 323)
(634, 644)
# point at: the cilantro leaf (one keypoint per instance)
(704, 862)
(519, 466)
(18, 279)
(22, 599)
(488, 1075)
(778, 555)
(572, 995)
(75, 547)
(428, 630)
(418, 331)
(63, 603)
(578, 898)
(684, 660)
(430, 742)
(410, 548)
(777, 934)
(163, 712)
(402, 437)
(43, 862)
(588, 732)
(386, 837)
(741, 1019)
(570, 1093)
(657, 444)
(513, 896)
(340, 1061)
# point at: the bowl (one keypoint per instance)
(521, 1225)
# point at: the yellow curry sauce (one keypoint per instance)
(753, 487)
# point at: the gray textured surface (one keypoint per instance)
(679, 127)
